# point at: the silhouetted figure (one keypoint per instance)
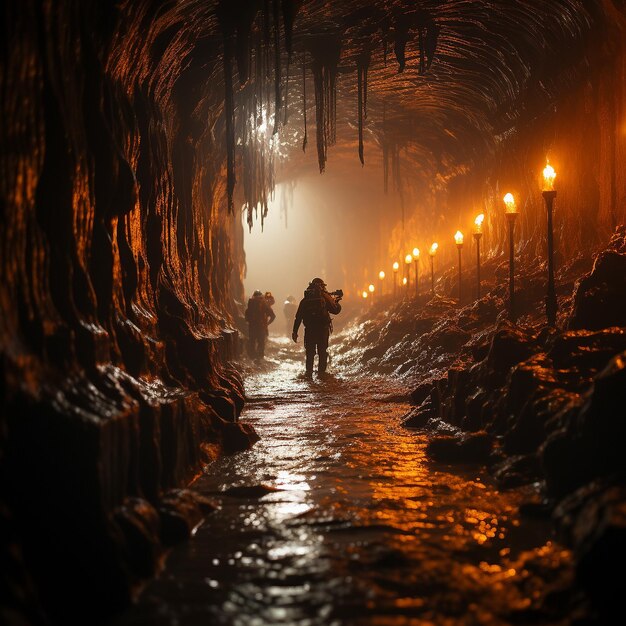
(289, 310)
(314, 311)
(259, 315)
(271, 301)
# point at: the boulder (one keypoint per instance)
(599, 300)
(180, 512)
(466, 448)
(600, 546)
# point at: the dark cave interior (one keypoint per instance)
(145, 146)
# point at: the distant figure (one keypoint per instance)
(289, 309)
(269, 298)
(314, 311)
(259, 315)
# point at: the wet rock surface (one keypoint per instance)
(536, 405)
(338, 516)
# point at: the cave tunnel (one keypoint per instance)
(312, 312)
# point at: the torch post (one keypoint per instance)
(396, 267)
(511, 217)
(458, 239)
(416, 256)
(477, 237)
(551, 303)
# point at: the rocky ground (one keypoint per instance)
(539, 406)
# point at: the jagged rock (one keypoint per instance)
(586, 352)
(517, 470)
(474, 406)
(590, 445)
(599, 298)
(509, 346)
(237, 437)
(419, 416)
(139, 526)
(180, 511)
(599, 536)
(467, 448)
(448, 338)
(421, 392)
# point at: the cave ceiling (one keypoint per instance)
(442, 81)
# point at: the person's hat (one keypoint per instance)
(318, 281)
(257, 293)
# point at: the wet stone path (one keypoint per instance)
(349, 523)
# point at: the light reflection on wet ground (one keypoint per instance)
(359, 528)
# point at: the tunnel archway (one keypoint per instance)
(146, 145)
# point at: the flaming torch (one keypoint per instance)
(371, 290)
(416, 256)
(381, 277)
(478, 233)
(408, 259)
(432, 252)
(458, 239)
(549, 194)
(396, 267)
(364, 294)
(511, 215)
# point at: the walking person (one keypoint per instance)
(289, 311)
(314, 311)
(259, 315)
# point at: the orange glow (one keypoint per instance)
(364, 294)
(433, 249)
(548, 177)
(381, 275)
(396, 266)
(371, 288)
(404, 281)
(416, 253)
(458, 238)
(478, 222)
(509, 203)
(408, 259)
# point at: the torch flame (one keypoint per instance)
(364, 294)
(408, 259)
(479, 222)
(433, 249)
(548, 177)
(404, 281)
(509, 202)
(381, 275)
(396, 266)
(416, 253)
(371, 288)
(458, 237)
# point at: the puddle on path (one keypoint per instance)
(358, 528)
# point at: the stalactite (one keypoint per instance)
(325, 52)
(360, 107)
(363, 62)
(277, 66)
(229, 112)
(305, 140)
(290, 9)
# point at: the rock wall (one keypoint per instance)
(119, 265)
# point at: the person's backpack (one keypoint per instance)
(255, 311)
(314, 311)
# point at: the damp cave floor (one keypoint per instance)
(356, 525)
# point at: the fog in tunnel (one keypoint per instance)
(333, 226)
